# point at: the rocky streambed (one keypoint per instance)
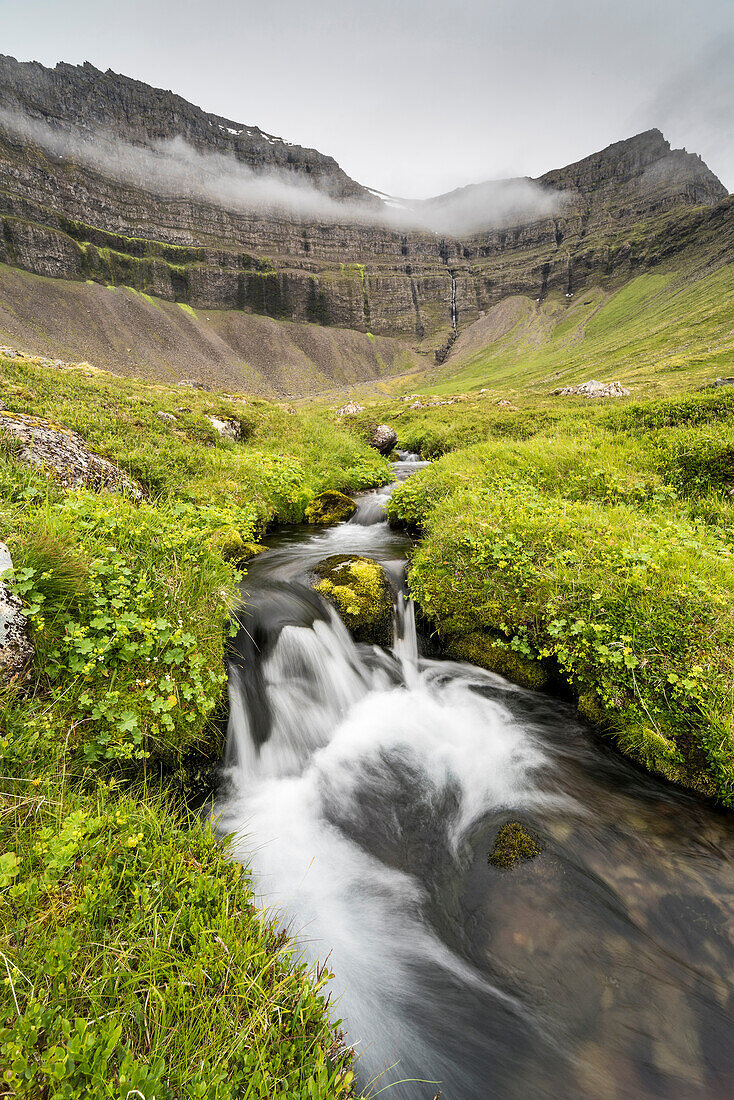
(376, 794)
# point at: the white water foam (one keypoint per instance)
(363, 743)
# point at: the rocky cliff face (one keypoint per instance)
(127, 109)
(72, 219)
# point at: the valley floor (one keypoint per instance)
(581, 546)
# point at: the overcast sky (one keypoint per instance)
(416, 97)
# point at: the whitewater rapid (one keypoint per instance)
(363, 785)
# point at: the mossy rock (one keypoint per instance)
(233, 547)
(358, 588)
(485, 651)
(592, 709)
(330, 507)
(513, 844)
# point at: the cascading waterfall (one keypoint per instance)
(364, 786)
(362, 745)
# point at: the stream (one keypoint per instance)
(365, 788)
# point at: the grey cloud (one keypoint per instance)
(497, 203)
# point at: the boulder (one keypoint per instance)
(592, 388)
(16, 648)
(166, 416)
(228, 429)
(53, 447)
(359, 590)
(350, 409)
(330, 507)
(383, 439)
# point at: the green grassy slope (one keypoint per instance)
(664, 330)
(590, 548)
(132, 333)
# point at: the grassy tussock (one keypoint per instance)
(136, 962)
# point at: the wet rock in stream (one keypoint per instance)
(514, 844)
(330, 507)
(359, 590)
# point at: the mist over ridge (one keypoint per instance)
(111, 181)
(155, 140)
(175, 168)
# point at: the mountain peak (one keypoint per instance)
(635, 177)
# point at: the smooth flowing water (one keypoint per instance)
(366, 787)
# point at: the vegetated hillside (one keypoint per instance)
(590, 548)
(103, 208)
(133, 333)
(667, 328)
(136, 960)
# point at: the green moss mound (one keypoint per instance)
(234, 548)
(330, 507)
(496, 656)
(514, 844)
(357, 587)
(598, 549)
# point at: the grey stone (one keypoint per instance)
(383, 439)
(593, 389)
(228, 429)
(53, 447)
(350, 409)
(16, 647)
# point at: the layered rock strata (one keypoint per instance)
(612, 213)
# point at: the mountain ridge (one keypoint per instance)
(649, 150)
(130, 106)
(602, 219)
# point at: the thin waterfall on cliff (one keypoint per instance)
(454, 316)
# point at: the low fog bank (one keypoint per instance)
(173, 168)
(497, 203)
